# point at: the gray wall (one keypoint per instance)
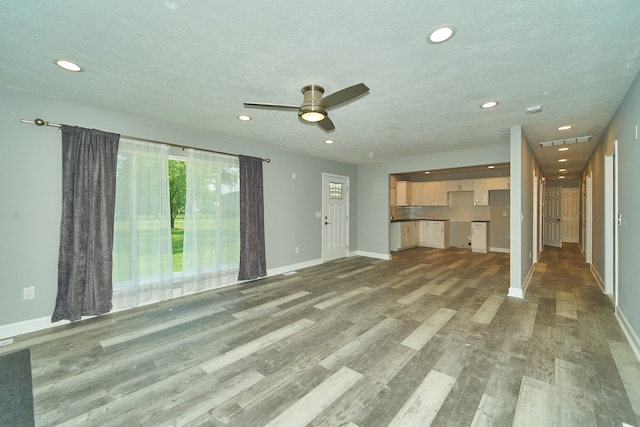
(623, 129)
(523, 169)
(373, 188)
(30, 183)
(499, 226)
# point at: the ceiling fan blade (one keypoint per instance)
(326, 124)
(344, 95)
(272, 106)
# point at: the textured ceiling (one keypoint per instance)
(194, 63)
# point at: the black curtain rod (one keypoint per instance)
(40, 122)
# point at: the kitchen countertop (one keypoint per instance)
(417, 219)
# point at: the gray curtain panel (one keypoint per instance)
(89, 163)
(253, 262)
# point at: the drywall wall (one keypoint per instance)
(30, 183)
(625, 128)
(373, 188)
(500, 206)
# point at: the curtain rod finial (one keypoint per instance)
(39, 122)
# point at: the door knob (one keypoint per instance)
(326, 223)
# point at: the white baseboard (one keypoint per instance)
(631, 335)
(515, 292)
(501, 250)
(293, 267)
(19, 328)
(519, 292)
(596, 276)
(374, 255)
(14, 329)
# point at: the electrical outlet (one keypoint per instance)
(297, 250)
(29, 293)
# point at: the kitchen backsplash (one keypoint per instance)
(460, 208)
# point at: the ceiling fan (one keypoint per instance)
(314, 107)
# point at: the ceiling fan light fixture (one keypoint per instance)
(311, 109)
(312, 116)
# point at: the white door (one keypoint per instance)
(552, 217)
(335, 217)
(588, 218)
(570, 215)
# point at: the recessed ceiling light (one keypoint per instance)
(427, 172)
(566, 127)
(563, 149)
(491, 167)
(329, 141)
(561, 177)
(68, 65)
(441, 34)
(562, 170)
(244, 117)
(489, 104)
(562, 160)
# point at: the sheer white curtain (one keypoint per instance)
(211, 254)
(142, 263)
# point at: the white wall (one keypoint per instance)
(30, 189)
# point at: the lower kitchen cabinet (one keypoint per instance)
(403, 235)
(434, 234)
(480, 236)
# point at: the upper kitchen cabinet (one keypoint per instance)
(403, 193)
(429, 193)
(481, 192)
(440, 193)
(499, 183)
(417, 193)
(459, 185)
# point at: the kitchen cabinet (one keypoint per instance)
(481, 192)
(409, 234)
(403, 193)
(499, 183)
(479, 236)
(403, 235)
(440, 193)
(418, 197)
(434, 234)
(429, 193)
(459, 185)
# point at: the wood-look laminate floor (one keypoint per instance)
(428, 338)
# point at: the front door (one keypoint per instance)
(552, 216)
(335, 217)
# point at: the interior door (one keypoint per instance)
(552, 217)
(570, 215)
(335, 217)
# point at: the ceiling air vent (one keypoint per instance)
(567, 141)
